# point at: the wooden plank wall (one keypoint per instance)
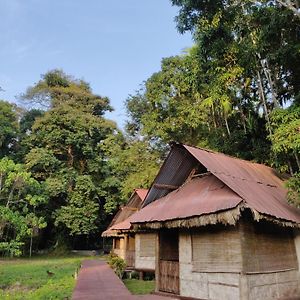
(169, 276)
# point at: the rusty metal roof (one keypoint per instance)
(256, 184)
(174, 171)
(125, 225)
(141, 193)
(133, 205)
(195, 198)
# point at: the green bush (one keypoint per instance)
(117, 263)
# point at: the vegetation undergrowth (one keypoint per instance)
(38, 278)
(117, 263)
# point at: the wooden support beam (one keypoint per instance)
(201, 175)
(132, 208)
(165, 186)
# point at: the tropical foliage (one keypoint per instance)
(65, 168)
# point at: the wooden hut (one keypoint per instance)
(137, 249)
(224, 228)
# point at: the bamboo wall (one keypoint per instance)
(297, 245)
(203, 285)
(197, 280)
(267, 247)
(120, 250)
(216, 250)
(145, 251)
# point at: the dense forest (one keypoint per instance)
(65, 168)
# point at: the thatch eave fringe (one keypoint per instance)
(227, 217)
(280, 222)
(114, 233)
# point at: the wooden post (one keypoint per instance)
(141, 275)
(125, 247)
(113, 245)
(157, 262)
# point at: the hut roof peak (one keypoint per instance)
(257, 185)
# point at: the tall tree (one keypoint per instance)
(20, 198)
(8, 128)
(133, 164)
(187, 102)
(66, 151)
(262, 39)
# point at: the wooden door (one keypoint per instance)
(169, 262)
(130, 251)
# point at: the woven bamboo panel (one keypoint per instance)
(217, 249)
(267, 248)
(147, 245)
(169, 276)
(117, 243)
(130, 258)
(131, 243)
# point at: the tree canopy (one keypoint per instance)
(65, 168)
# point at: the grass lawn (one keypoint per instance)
(28, 278)
(139, 287)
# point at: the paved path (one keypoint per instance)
(97, 281)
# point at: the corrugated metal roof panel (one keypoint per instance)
(133, 205)
(174, 171)
(199, 196)
(257, 184)
(141, 193)
(125, 225)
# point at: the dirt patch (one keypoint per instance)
(16, 287)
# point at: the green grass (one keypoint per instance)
(139, 287)
(28, 278)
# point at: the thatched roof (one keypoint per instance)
(175, 199)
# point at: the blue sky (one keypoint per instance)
(113, 44)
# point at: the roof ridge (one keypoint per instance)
(226, 155)
(245, 179)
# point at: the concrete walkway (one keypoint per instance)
(97, 281)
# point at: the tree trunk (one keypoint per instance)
(30, 247)
(291, 5)
(297, 160)
(1, 180)
(290, 167)
(227, 127)
(214, 116)
(11, 194)
(263, 100)
(70, 156)
(265, 67)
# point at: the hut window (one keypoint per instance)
(147, 245)
(267, 248)
(216, 249)
(117, 243)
